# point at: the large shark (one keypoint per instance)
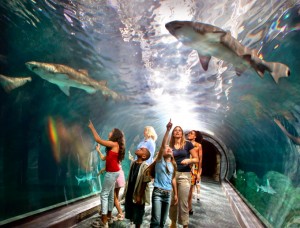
(210, 40)
(65, 77)
(11, 83)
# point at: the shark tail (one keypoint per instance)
(278, 70)
(10, 84)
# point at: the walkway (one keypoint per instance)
(213, 211)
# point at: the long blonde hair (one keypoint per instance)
(150, 132)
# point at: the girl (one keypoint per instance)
(164, 180)
(115, 152)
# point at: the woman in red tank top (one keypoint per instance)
(115, 153)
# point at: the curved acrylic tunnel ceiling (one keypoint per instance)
(250, 120)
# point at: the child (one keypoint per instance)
(137, 192)
(164, 181)
(115, 152)
(120, 182)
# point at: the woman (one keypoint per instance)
(148, 142)
(185, 155)
(115, 152)
(195, 137)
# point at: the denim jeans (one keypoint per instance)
(161, 200)
(107, 193)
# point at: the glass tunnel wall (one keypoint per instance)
(47, 153)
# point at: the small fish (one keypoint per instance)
(267, 189)
(88, 177)
(11, 83)
(295, 139)
(65, 77)
(210, 40)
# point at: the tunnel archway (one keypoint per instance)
(217, 162)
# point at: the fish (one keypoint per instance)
(267, 189)
(88, 177)
(295, 139)
(65, 77)
(209, 40)
(11, 83)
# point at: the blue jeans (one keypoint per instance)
(107, 193)
(161, 200)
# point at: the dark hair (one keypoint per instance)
(150, 171)
(199, 136)
(118, 136)
(147, 154)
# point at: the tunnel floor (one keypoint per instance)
(213, 210)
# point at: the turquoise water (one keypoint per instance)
(47, 155)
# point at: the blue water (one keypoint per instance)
(45, 143)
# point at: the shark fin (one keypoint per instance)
(204, 60)
(83, 71)
(278, 70)
(65, 89)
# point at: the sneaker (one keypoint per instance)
(99, 224)
(110, 221)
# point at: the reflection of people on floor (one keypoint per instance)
(195, 137)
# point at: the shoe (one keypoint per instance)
(99, 224)
(110, 221)
(191, 212)
(120, 217)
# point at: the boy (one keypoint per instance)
(137, 192)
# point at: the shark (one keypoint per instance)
(209, 40)
(65, 77)
(11, 83)
(88, 177)
(267, 188)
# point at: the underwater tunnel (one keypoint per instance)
(229, 69)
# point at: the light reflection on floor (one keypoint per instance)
(213, 211)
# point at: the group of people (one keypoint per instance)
(174, 172)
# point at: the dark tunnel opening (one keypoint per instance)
(210, 161)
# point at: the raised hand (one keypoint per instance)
(169, 125)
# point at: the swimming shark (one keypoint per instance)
(209, 40)
(65, 77)
(267, 189)
(11, 83)
(88, 177)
